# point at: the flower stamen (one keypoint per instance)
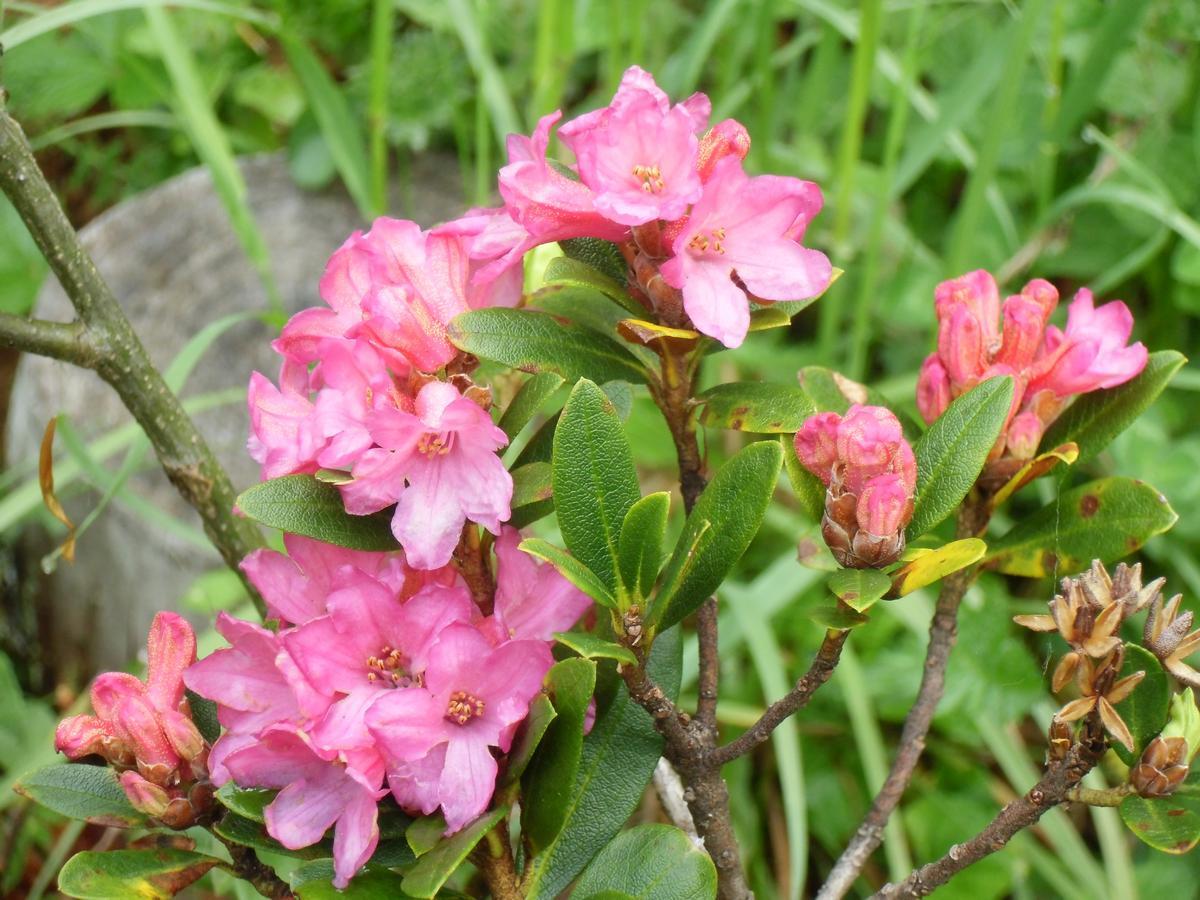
(463, 707)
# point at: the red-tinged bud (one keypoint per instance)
(137, 722)
(868, 437)
(962, 347)
(1023, 436)
(170, 649)
(816, 444)
(1024, 324)
(975, 291)
(728, 138)
(1043, 293)
(182, 734)
(144, 795)
(884, 505)
(81, 736)
(933, 389)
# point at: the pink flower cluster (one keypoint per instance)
(978, 338)
(378, 671)
(145, 729)
(870, 475)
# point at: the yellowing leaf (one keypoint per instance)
(46, 480)
(1036, 468)
(928, 566)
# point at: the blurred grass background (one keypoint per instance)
(1050, 138)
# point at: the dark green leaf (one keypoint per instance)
(537, 342)
(650, 862)
(121, 874)
(204, 715)
(595, 482)
(541, 714)
(808, 488)
(1094, 419)
(1170, 824)
(300, 504)
(757, 406)
(247, 802)
(565, 270)
(1145, 710)
(249, 833)
(618, 758)
(589, 646)
(836, 618)
(718, 531)
(859, 588)
(571, 569)
(528, 400)
(531, 484)
(550, 778)
(432, 869)
(314, 881)
(603, 256)
(640, 545)
(591, 309)
(1105, 520)
(78, 791)
(953, 450)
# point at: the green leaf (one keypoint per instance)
(1105, 520)
(923, 567)
(571, 569)
(835, 618)
(1170, 824)
(528, 400)
(78, 791)
(249, 833)
(550, 778)
(565, 270)
(639, 549)
(595, 482)
(603, 256)
(121, 874)
(425, 833)
(537, 342)
(717, 532)
(432, 869)
(618, 758)
(1094, 419)
(952, 452)
(314, 881)
(204, 711)
(529, 738)
(757, 406)
(808, 488)
(249, 803)
(589, 646)
(859, 589)
(531, 484)
(1145, 710)
(300, 504)
(650, 862)
(1037, 467)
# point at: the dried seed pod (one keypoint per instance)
(1162, 768)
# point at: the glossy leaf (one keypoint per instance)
(78, 791)
(1147, 708)
(314, 881)
(595, 482)
(923, 567)
(1035, 468)
(249, 803)
(618, 757)
(571, 569)
(807, 487)
(565, 270)
(859, 589)
(589, 646)
(757, 406)
(836, 618)
(533, 729)
(431, 870)
(720, 527)
(425, 833)
(639, 549)
(952, 452)
(1094, 419)
(537, 342)
(549, 780)
(536, 390)
(531, 484)
(650, 862)
(1105, 520)
(1170, 824)
(239, 830)
(300, 504)
(121, 874)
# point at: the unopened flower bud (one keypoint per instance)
(884, 505)
(81, 736)
(144, 795)
(182, 734)
(1162, 768)
(961, 346)
(1023, 436)
(727, 138)
(1024, 323)
(933, 389)
(816, 444)
(977, 292)
(1044, 294)
(868, 437)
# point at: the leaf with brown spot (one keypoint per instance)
(121, 874)
(1170, 824)
(46, 480)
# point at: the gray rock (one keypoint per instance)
(175, 264)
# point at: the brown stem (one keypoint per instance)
(248, 867)
(1055, 787)
(103, 339)
(942, 633)
(496, 862)
(710, 664)
(818, 673)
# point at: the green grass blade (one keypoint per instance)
(493, 90)
(127, 118)
(553, 49)
(383, 23)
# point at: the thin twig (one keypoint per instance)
(818, 673)
(119, 357)
(1054, 788)
(709, 666)
(67, 341)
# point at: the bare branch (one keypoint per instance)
(69, 342)
(710, 664)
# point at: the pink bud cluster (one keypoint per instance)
(870, 475)
(145, 729)
(978, 338)
(378, 672)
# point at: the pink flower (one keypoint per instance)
(446, 452)
(727, 138)
(1092, 352)
(740, 226)
(319, 789)
(353, 381)
(882, 504)
(283, 439)
(532, 599)
(816, 444)
(496, 246)
(933, 388)
(871, 442)
(473, 698)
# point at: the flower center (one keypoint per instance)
(388, 668)
(433, 444)
(463, 707)
(651, 178)
(710, 241)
